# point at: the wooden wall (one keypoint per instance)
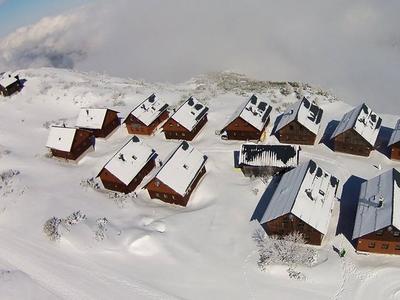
(111, 122)
(395, 151)
(351, 142)
(295, 133)
(83, 140)
(289, 223)
(135, 126)
(239, 129)
(384, 241)
(173, 130)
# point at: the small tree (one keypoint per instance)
(50, 228)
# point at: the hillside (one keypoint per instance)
(152, 250)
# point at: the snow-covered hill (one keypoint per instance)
(149, 249)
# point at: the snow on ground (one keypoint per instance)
(152, 250)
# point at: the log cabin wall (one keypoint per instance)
(395, 151)
(288, 224)
(174, 130)
(382, 241)
(12, 88)
(352, 143)
(135, 126)
(83, 140)
(239, 129)
(111, 122)
(295, 133)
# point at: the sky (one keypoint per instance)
(351, 48)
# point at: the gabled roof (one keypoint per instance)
(7, 79)
(91, 118)
(61, 138)
(181, 168)
(363, 120)
(269, 155)
(149, 110)
(254, 111)
(395, 137)
(305, 112)
(308, 193)
(130, 160)
(190, 113)
(378, 204)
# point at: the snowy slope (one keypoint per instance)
(153, 250)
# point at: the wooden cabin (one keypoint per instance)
(187, 120)
(266, 160)
(249, 121)
(377, 224)
(9, 84)
(100, 121)
(178, 176)
(302, 202)
(394, 142)
(300, 123)
(69, 143)
(147, 116)
(127, 168)
(357, 131)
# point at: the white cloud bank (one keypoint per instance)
(351, 47)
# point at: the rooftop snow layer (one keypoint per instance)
(7, 79)
(254, 111)
(130, 160)
(305, 112)
(395, 137)
(149, 110)
(61, 138)
(308, 193)
(179, 171)
(378, 205)
(190, 113)
(269, 155)
(363, 120)
(91, 118)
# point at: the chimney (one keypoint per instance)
(121, 157)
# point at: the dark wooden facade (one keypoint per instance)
(111, 182)
(135, 126)
(353, 143)
(157, 189)
(111, 122)
(383, 241)
(12, 88)
(83, 140)
(295, 133)
(173, 130)
(241, 130)
(263, 171)
(395, 151)
(288, 224)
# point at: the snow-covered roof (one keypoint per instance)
(190, 113)
(305, 112)
(378, 204)
(363, 120)
(254, 111)
(130, 160)
(307, 192)
(395, 137)
(149, 110)
(61, 138)
(269, 155)
(7, 79)
(91, 118)
(181, 168)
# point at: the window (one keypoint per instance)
(371, 245)
(173, 197)
(397, 247)
(385, 246)
(396, 233)
(165, 196)
(157, 195)
(236, 125)
(183, 134)
(379, 232)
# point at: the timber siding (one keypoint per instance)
(11, 89)
(395, 151)
(111, 122)
(157, 189)
(83, 140)
(173, 130)
(135, 126)
(352, 143)
(289, 223)
(111, 182)
(295, 133)
(239, 129)
(381, 241)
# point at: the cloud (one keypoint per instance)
(353, 48)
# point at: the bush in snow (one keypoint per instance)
(50, 228)
(101, 228)
(72, 219)
(290, 250)
(90, 182)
